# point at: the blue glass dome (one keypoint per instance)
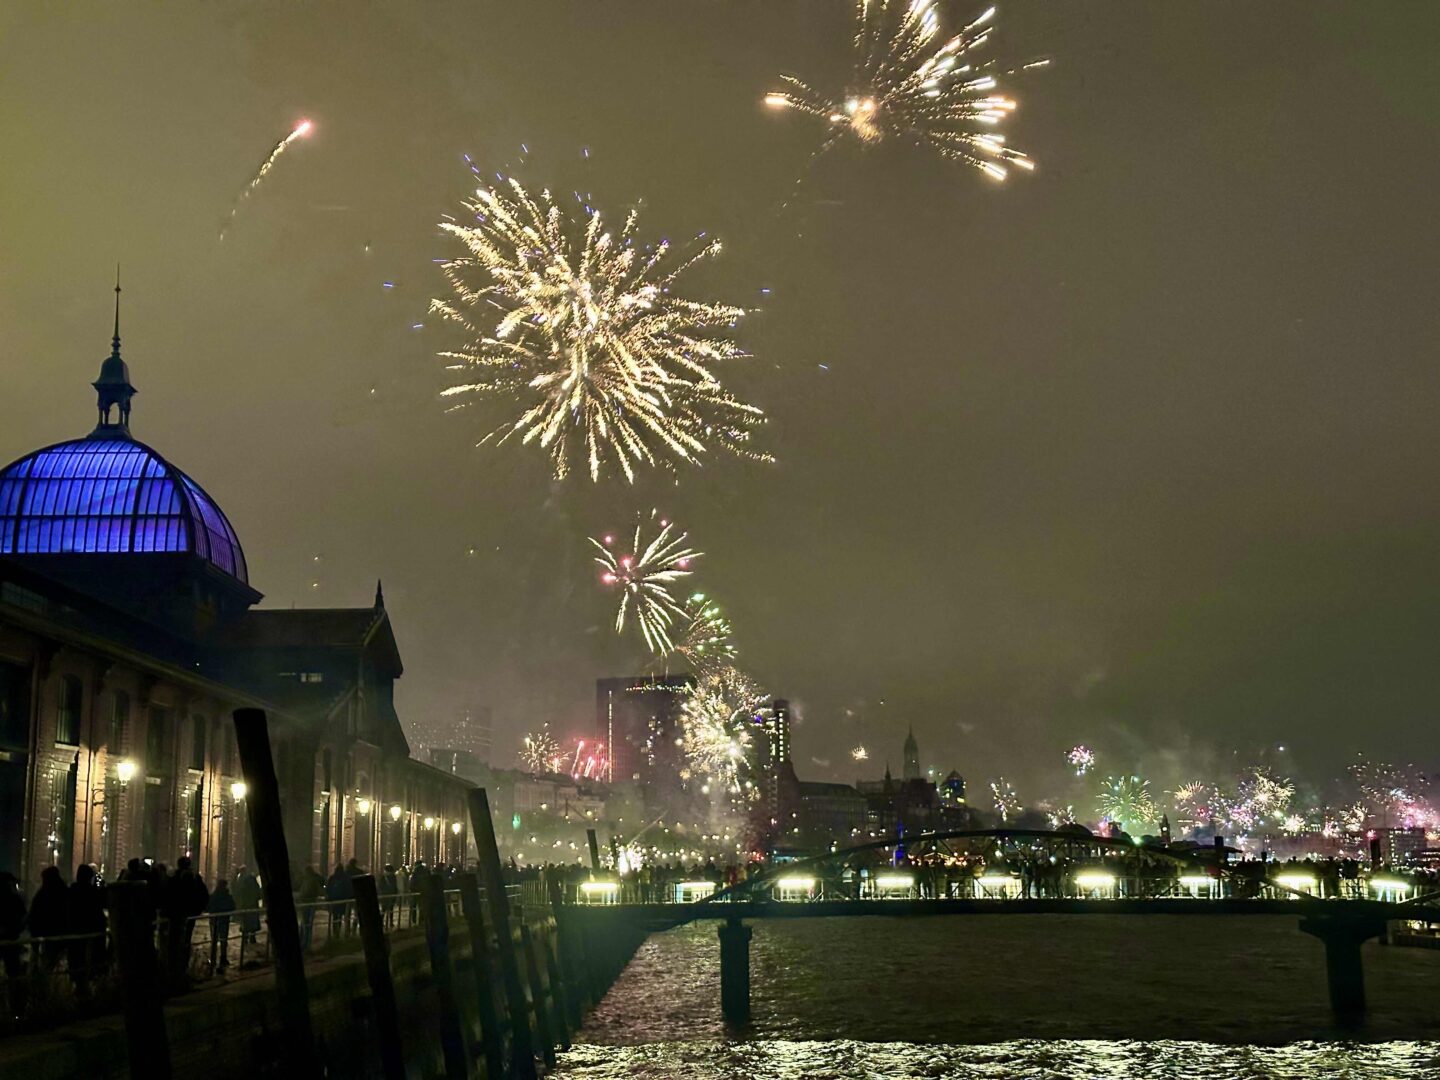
(108, 494)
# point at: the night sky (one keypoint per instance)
(1138, 451)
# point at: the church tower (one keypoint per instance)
(912, 757)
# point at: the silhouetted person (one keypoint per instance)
(246, 890)
(86, 916)
(389, 889)
(312, 889)
(338, 888)
(49, 912)
(220, 905)
(418, 873)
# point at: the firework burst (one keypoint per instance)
(1126, 801)
(590, 337)
(1007, 802)
(716, 723)
(905, 85)
(300, 130)
(644, 577)
(859, 753)
(704, 643)
(1081, 759)
(541, 753)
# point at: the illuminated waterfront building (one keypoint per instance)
(638, 720)
(128, 635)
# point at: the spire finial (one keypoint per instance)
(115, 342)
(379, 594)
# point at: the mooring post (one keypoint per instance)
(594, 851)
(133, 909)
(437, 941)
(252, 738)
(377, 971)
(735, 971)
(522, 1048)
(547, 941)
(1344, 972)
(536, 981)
(488, 1004)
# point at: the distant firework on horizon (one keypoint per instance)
(541, 753)
(903, 85)
(300, 130)
(587, 333)
(859, 753)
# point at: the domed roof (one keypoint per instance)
(109, 494)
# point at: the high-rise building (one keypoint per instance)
(912, 757)
(475, 732)
(777, 730)
(638, 719)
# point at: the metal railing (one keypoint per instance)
(57, 978)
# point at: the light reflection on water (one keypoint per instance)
(1079, 998)
(1025, 1060)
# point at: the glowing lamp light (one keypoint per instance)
(238, 790)
(1389, 888)
(455, 827)
(794, 888)
(894, 883)
(1094, 880)
(395, 812)
(362, 806)
(1296, 881)
(429, 823)
(599, 892)
(125, 770)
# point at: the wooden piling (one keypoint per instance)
(544, 1033)
(133, 908)
(488, 1004)
(252, 737)
(377, 970)
(522, 1047)
(594, 851)
(549, 962)
(735, 971)
(437, 940)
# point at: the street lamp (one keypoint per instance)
(238, 790)
(429, 823)
(125, 770)
(395, 812)
(455, 827)
(362, 806)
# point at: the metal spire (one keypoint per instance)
(115, 341)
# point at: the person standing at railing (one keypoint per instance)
(49, 915)
(338, 889)
(220, 905)
(389, 889)
(184, 898)
(86, 916)
(309, 894)
(418, 873)
(247, 900)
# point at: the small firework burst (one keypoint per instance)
(541, 753)
(1007, 802)
(906, 86)
(704, 641)
(1081, 759)
(859, 753)
(645, 575)
(717, 723)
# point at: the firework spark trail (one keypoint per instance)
(590, 337)
(645, 576)
(301, 130)
(904, 85)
